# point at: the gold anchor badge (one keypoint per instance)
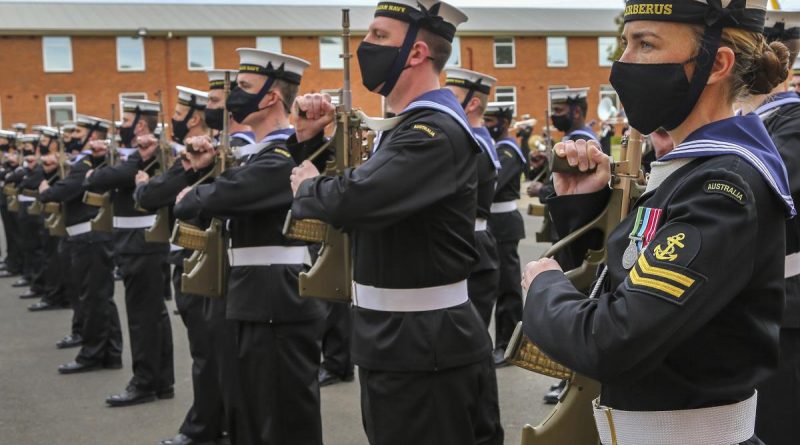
(668, 253)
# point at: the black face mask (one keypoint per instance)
(242, 104)
(180, 128)
(44, 149)
(562, 122)
(375, 63)
(4, 147)
(497, 130)
(126, 134)
(215, 118)
(73, 145)
(659, 94)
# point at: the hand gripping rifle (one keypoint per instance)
(56, 220)
(159, 231)
(206, 271)
(104, 221)
(331, 276)
(572, 420)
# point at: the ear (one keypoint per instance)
(141, 126)
(195, 120)
(723, 65)
(269, 99)
(419, 54)
(473, 105)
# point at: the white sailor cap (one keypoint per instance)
(67, 126)
(569, 95)
(192, 98)
(782, 26)
(29, 138)
(20, 127)
(216, 78)
(37, 128)
(48, 131)
(144, 107)
(743, 14)
(500, 109)
(7, 134)
(275, 65)
(438, 17)
(470, 80)
(92, 122)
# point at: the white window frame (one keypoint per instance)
(513, 44)
(49, 105)
(339, 64)
(456, 52)
(602, 59)
(130, 95)
(188, 53)
(279, 49)
(608, 91)
(566, 51)
(513, 92)
(119, 67)
(44, 55)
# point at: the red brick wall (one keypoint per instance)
(96, 82)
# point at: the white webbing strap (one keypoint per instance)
(480, 225)
(134, 222)
(79, 229)
(504, 207)
(410, 300)
(267, 255)
(792, 266)
(718, 425)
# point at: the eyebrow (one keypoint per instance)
(642, 34)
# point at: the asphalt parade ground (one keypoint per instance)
(40, 407)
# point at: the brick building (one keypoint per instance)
(60, 58)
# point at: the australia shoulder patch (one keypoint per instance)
(664, 269)
(725, 188)
(424, 128)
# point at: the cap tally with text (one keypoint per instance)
(500, 109)
(438, 17)
(92, 122)
(273, 65)
(570, 96)
(469, 80)
(743, 14)
(143, 107)
(192, 98)
(216, 78)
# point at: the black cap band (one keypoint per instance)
(424, 18)
(270, 71)
(472, 86)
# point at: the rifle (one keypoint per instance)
(572, 420)
(331, 276)
(544, 233)
(206, 271)
(159, 231)
(104, 221)
(56, 220)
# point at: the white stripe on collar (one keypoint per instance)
(251, 149)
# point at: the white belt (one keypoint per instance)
(79, 229)
(504, 207)
(718, 425)
(23, 198)
(480, 225)
(134, 222)
(267, 255)
(792, 266)
(410, 300)
(174, 248)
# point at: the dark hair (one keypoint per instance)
(150, 120)
(288, 91)
(439, 46)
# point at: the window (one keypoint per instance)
(330, 48)
(455, 55)
(130, 54)
(506, 94)
(605, 50)
(200, 53)
(57, 53)
(141, 96)
(557, 52)
(609, 92)
(60, 108)
(796, 64)
(271, 43)
(504, 52)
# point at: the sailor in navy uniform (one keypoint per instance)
(779, 396)
(240, 134)
(472, 90)
(505, 223)
(694, 280)
(277, 332)
(140, 262)
(204, 420)
(12, 264)
(90, 271)
(424, 355)
(30, 226)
